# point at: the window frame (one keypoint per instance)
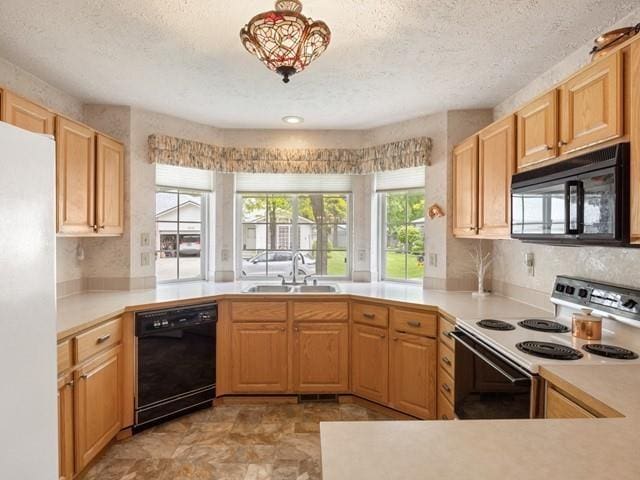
(382, 235)
(205, 199)
(294, 238)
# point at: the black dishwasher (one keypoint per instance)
(176, 362)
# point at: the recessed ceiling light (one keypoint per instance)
(293, 120)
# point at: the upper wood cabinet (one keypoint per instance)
(538, 131)
(259, 357)
(97, 406)
(90, 181)
(65, 428)
(75, 148)
(633, 90)
(412, 374)
(591, 105)
(465, 188)
(496, 146)
(370, 362)
(321, 357)
(109, 186)
(25, 114)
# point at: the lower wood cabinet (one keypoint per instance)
(259, 357)
(412, 373)
(370, 362)
(97, 405)
(559, 406)
(65, 427)
(321, 357)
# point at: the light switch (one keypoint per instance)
(145, 240)
(433, 260)
(145, 259)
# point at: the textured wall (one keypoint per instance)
(608, 264)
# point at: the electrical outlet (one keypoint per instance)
(530, 263)
(362, 255)
(145, 259)
(224, 255)
(433, 260)
(145, 239)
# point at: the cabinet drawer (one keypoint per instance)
(98, 339)
(444, 333)
(447, 359)
(374, 315)
(330, 311)
(445, 408)
(559, 406)
(64, 356)
(258, 311)
(445, 385)
(418, 323)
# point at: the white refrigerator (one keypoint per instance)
(28, 411)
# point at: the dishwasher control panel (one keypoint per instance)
(156, 320)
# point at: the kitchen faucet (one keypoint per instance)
(294, 266)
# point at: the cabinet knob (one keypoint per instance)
(94, 228)
(446, 361)
(84, 376)
(70, 384)
(549, 148)
(369, 315)
(446, 387)
(414, 323)
(562, 143)
(102, 227)
(395, 339)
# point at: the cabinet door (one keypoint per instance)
(538, 131)
(497, 165)
(25, 114)
(591, 105)
(321, 357)
(97, 406)
(109, 186)
(259, 357)
(370, 363)
(465, 188)
(75, 147)
(65, 428)
(412, 375)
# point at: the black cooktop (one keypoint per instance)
(491, 324)
(553, 351)
(540, 325)
(610, 351)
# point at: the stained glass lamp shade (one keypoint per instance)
(285, 40)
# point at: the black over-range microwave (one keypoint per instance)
(580, 201)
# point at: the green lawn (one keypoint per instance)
(336, 265)
(395, 267)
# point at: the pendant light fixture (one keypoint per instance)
(285, 40)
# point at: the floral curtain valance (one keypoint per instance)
(391, 156)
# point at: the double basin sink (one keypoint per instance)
(292, 289)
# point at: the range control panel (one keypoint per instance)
(616, 299)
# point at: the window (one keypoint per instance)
(402, 235)
(274, 226)
(180, 235)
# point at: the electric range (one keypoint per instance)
(498, 359)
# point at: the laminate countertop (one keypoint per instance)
(81, 311)
(500, 449)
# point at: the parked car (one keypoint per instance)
(276, 263)
(190, 249)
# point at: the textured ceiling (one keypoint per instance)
(389, 60)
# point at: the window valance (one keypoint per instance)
(180, 152)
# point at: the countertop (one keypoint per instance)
(499, 449)
(78, 312)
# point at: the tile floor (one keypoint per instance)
(231, 442)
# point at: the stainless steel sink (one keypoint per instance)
(317, 289)
(269, 289)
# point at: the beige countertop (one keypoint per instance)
(499, 449)
(81, 311)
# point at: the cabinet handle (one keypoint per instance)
(94, 228)
(562, 143)
(444, 417)
(84, 376)
(382, 336)
(446, 388)
(414, 323)
(102, 227)
(446, 361)
(395, 339)
(103, 338)
(70, 384)
(549, 148)
(369, 315)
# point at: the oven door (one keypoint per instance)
(488, 385)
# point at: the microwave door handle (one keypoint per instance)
(574, 214)
(492, 364)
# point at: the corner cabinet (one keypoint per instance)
(370, 362)
(90, 181)
(482, 170)
(465, 188)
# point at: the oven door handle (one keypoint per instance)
(512, 379)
